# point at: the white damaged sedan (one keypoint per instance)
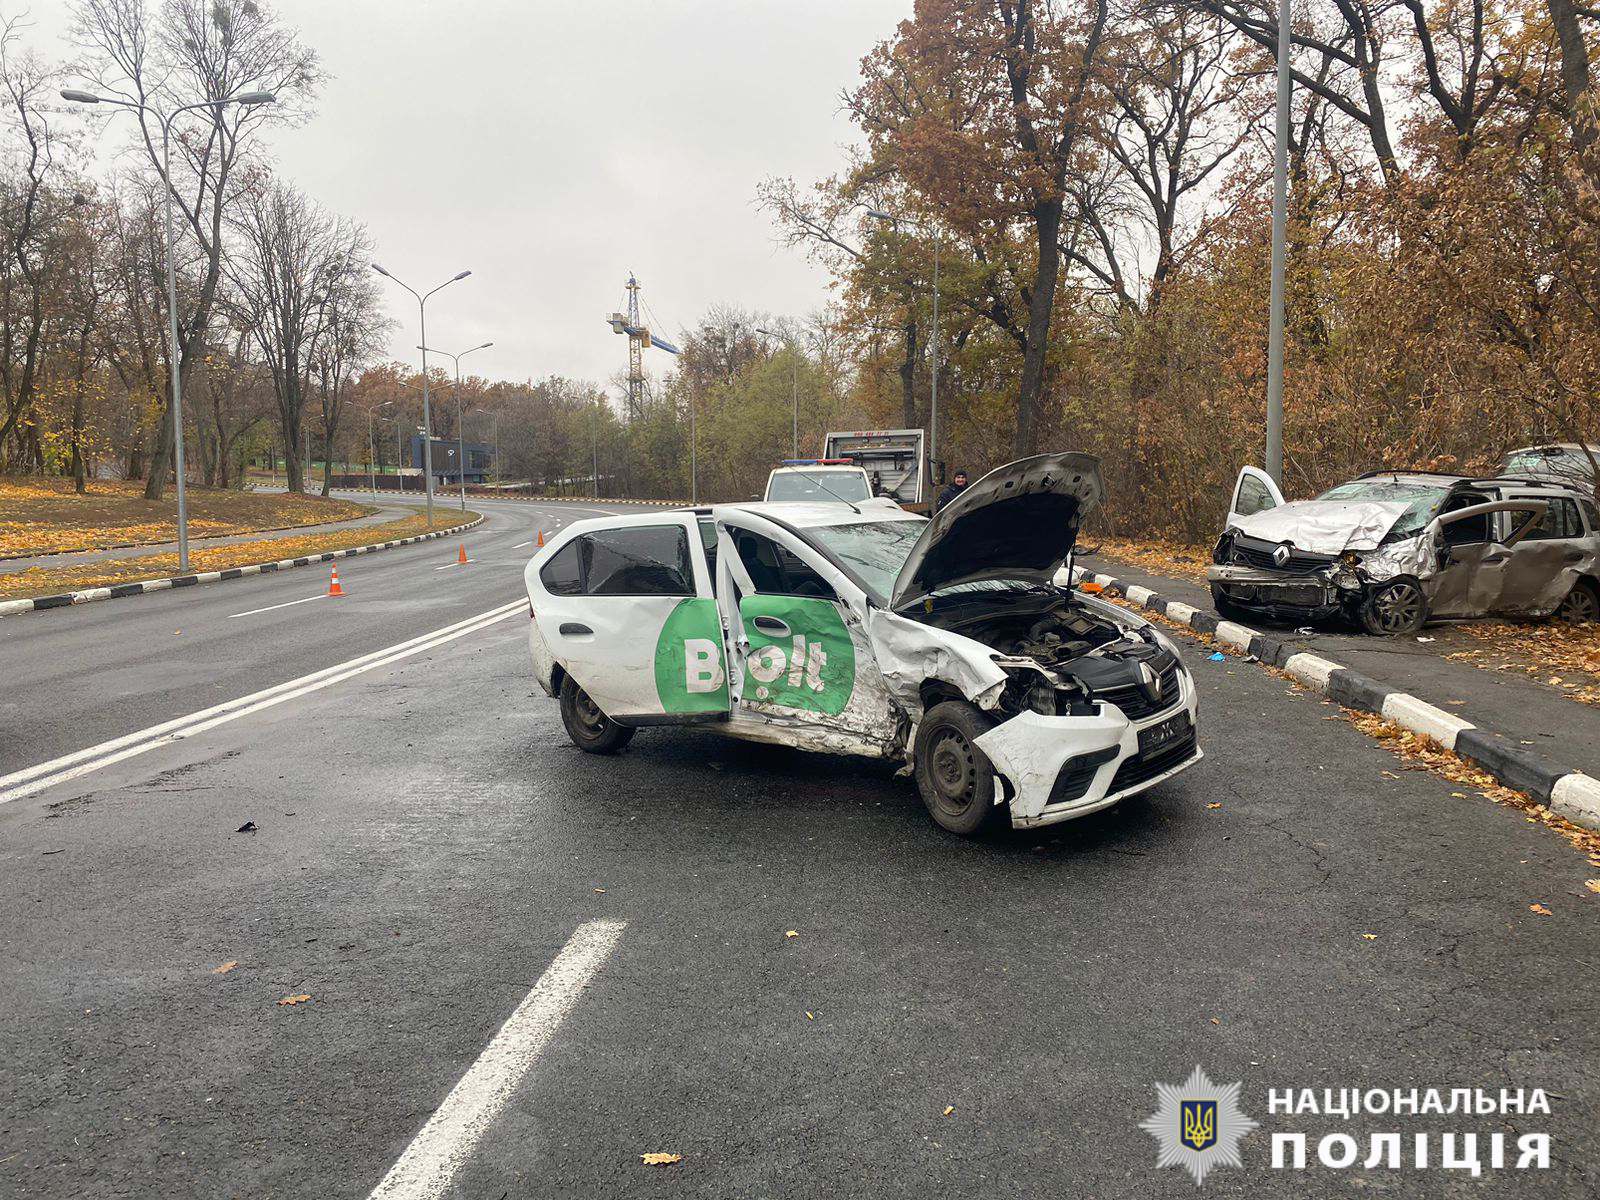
(859, 628)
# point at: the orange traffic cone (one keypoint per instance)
(333, 584)
(540, 542)
(461, 555)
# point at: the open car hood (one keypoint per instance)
(1018, 522)
(1325, 526)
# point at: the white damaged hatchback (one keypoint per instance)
(947, 645)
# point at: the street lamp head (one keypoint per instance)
(765, 332)
(877, 214)
(485, 346)
(79, 97)
(463, 275)
(381, 271)
(255, 98)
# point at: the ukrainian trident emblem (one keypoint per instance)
(1199, 1123)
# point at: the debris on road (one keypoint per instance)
(948, 1109)
(1216, 656)
(247, 827)
(791, 933)
(656, 1159)
(300, 999)
(225, 967)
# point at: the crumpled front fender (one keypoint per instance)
(1031, 748)
(910, 653)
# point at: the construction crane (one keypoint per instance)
(639, 340)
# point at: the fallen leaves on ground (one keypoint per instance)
(1173, 559)
(300, 999)
(657, 1159)
(948, 1109)
(1371, 937)
(1217, 804)
(791, 933)
(1593, 885)
(1565, 658)
(49, 581)
(1421, 752)
(45, 515)
(225, 967)
(1540, 909)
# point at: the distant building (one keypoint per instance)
(446, 469)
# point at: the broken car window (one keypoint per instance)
(1422, 502)
(819, 485)
(649, 560)
(874, 550)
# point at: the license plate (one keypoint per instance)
(1159, 736)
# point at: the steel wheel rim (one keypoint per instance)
(1397, 607)
(953, 771)
(589, 714)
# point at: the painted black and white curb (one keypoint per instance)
(119, 590)
(1568, 793)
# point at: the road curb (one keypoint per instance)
(1570, 794)
(119, 590)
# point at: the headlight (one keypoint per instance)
(1042, 698)
(1222, 551)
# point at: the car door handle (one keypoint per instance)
(771, 626)
(573, 629)
(1574, 556)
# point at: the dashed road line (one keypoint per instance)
(429, 1164)
(285, 604)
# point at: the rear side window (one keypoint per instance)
(1592, 513)
(649, 560)
(1560, 520)
(563, 574)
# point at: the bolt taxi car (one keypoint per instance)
(947, 645)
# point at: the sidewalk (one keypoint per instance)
(1534, 716)
(386, 512)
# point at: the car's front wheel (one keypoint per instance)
(1581, 605)
(955, 778)
(1395, 608)
(589, 728)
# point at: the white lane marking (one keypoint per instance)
(29, 780)
(285, 604)
(520, 545)
(428, 1165)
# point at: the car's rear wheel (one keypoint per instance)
(1581, 605)
(1395, 608)
(955, 778)
(589, 728)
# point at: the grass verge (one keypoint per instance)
(50, 581)
(45, 516)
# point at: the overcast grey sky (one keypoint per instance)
(553, 147)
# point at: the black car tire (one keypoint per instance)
(1395, 608)
(1581, 605)
(955, 778)
(590, 729)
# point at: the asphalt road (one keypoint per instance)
(428, 842)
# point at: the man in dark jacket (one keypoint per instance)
(957, 485)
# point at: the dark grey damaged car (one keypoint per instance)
(1394, 550)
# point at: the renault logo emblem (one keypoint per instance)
(1280, 556)
(1150, 682)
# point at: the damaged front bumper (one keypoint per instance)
(1059, 768)
(1312, 596)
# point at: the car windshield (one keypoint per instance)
(1422, 500)
(818, 485)
(874, 550)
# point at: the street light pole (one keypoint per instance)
(933, 342)
(461, 441)
(1280, 220)
(427, 409)
(248, 99)
(495, 454)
